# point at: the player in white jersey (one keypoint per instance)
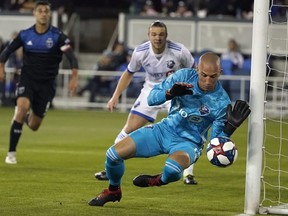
(159, 57)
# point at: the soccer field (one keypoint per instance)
(56, 165)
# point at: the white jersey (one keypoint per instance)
(157, 67)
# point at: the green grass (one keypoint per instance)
(56, 165)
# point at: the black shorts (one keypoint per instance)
(40, 94)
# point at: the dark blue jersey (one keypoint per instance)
(42, 53)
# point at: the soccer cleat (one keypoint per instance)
(101, 175)
(106, 196)
(11, 158)
(189, 179)
(148, 180)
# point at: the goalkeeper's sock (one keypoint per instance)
(120, 136)
(114, 166)
(113, 187)
(172, 171)
(15, 133)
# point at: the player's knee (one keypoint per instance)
(172, 171)
(112, 156)
(21, 114)
(33, 124)
(34, 127)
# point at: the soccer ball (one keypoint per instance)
(221, 151)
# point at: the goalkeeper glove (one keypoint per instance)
(179, 89)
(236, 116)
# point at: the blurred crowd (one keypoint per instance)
(164, 8)
(119, 56)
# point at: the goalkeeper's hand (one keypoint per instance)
(179, 89)
(236, 116)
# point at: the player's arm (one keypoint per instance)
(66, 48)
(122, 84)
(173, 86)
(12, 47)
(73, 83)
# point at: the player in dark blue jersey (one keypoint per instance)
(43, 46)
(198, 102)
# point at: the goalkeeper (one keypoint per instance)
(198, 102)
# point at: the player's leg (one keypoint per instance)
(172, 171)
(33, 121)
(188, 176)
(181, 155)
(115, 157)
(21, 109)
(140, 114)
(134, 121)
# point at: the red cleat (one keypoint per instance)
(148, 180)
(106, 196)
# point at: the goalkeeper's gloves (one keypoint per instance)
(179, 89)
(236, 116)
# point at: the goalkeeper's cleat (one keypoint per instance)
(101, 175)
(106, 196)
(11, 158)
(189, 179)
(148, 180)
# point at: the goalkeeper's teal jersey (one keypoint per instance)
(191, 116)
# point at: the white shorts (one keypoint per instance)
(141, 107)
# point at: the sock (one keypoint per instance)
(113, 187)
(114, 167)
(15, 133)
(120, 136)
(172, 171)
(188, 171)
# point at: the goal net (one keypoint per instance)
(267, 160)
(274, 179)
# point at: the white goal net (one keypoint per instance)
(274, 178)
(266, 190)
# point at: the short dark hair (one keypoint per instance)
(42, 2)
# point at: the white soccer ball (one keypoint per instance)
(221, 151)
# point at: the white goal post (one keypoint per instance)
(260, 84)
(257, 91)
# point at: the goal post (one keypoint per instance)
(266, 186)
(257, 92)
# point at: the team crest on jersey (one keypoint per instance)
(49, 43)
(204, 110)
(170, 64)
